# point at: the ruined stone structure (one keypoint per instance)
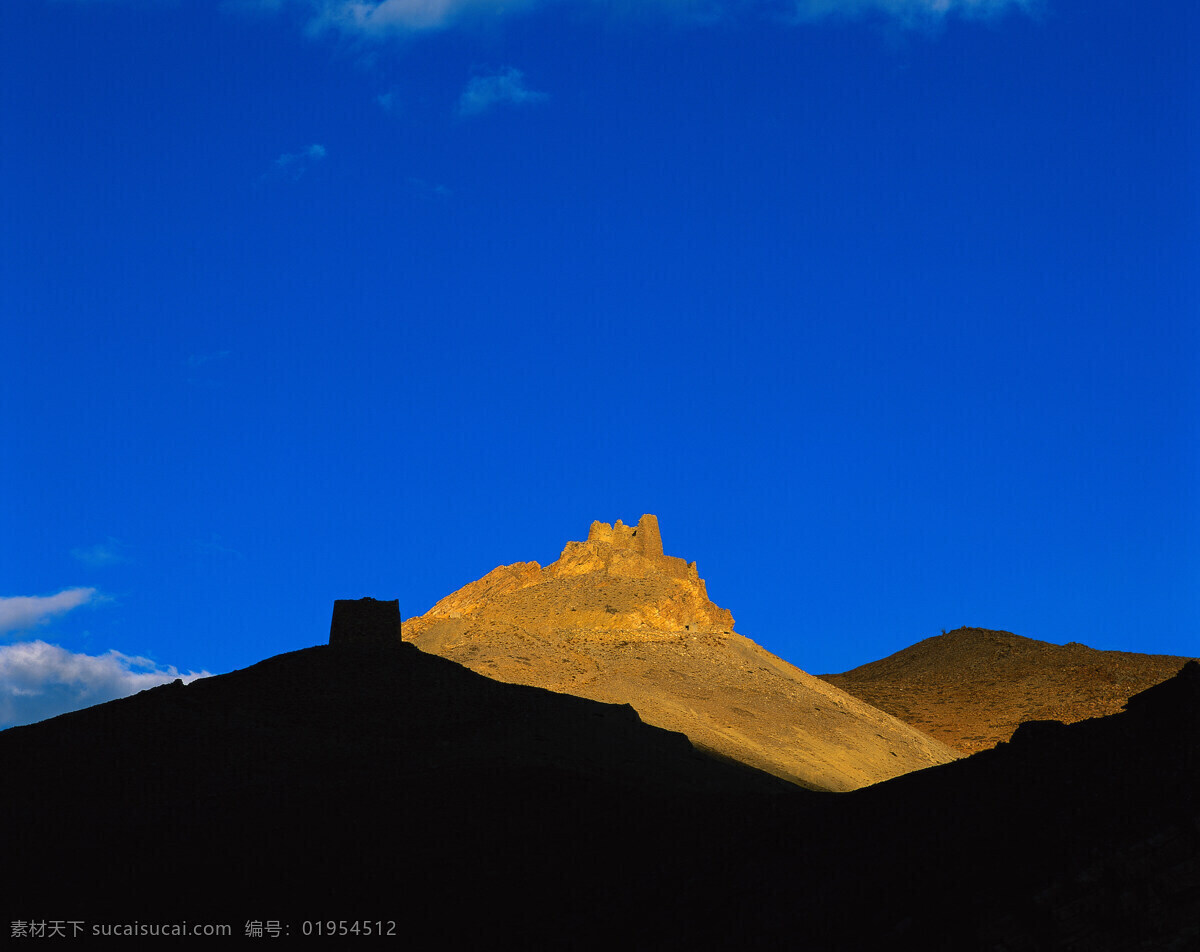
(619, 579)
(644, 538)
(630, 551)
(364, 620)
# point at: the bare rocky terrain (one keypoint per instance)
(616, 620)
(971, 687)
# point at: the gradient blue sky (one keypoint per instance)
(886, 308)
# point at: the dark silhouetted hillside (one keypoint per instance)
(376, 782)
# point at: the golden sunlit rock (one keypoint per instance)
(615, 619)
(971, 687)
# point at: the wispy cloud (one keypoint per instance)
(383, 18)
(430, 190)
(292, 165)
(503, 87)
(389, 102)
(908, 12)
(102, 554)
(40, 680)
(22, 612)
(378, 19)
(199, 360)
(216, 547)
(203, 369)
(389, 17)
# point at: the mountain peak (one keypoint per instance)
(615, 619)
(617, 580)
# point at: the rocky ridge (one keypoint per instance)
(645, 592)
(971, 687)
(615, 619)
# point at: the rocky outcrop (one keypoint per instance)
(592, 583)
(616, 619)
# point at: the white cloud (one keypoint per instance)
(22, 612)
(39, 680)
(506, 86)
(293, 165)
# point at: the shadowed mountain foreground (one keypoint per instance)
(372, 781)
(971, 687)
(616, 620)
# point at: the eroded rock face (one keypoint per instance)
(615, 619)
(619, 579)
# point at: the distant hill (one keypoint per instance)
(616, 620)
(971, 687)
(371, 782)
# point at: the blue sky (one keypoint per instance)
(886, 308)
